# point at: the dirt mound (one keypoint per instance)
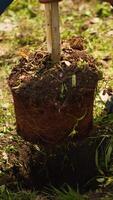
(53, 102)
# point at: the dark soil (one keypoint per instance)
(32, 168)
(53, 102)
(70, 164)
(54, 105)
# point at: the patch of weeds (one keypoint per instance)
(66, 194)
(104, 9)
(103, 161)
(26, 26)
(6, 194)
(103, 153)
(107, 119)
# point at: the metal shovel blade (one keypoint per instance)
(4, 4)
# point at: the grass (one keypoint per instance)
(20, 195)
(66, 194)
(91, 20)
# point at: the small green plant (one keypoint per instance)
(103, 154)
(6, 194)
(103, 160)
(63, 90)
(67, 194)
(74, 131)
(81, 63)
(104, 9)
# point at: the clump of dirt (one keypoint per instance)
(70, 164)
(32, 168)
(54, 102)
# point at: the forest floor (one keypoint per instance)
(94, 22)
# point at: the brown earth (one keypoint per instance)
(28, 167)
(53, 102)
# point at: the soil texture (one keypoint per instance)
(54, 102)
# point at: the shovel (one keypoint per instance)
(4, 4)
(52, 24)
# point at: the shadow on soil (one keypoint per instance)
(72, 164)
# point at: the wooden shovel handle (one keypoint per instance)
(52, 27)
